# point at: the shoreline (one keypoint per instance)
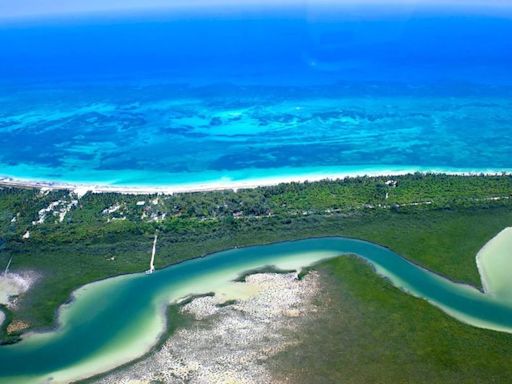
(272, 296)
(382, 272)
(222, 184)
(483, 255)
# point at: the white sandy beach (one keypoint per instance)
(228, 184)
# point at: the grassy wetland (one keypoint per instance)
(437, 221)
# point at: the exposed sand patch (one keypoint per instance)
(2, 318)
(493, 262)
(226, 183)
(231, 344)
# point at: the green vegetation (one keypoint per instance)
(370, 332)
(419, 216)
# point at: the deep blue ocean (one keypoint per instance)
(247, 92)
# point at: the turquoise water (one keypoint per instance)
(117, 320)
(152, 137)
(207, 96)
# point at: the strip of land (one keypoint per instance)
(71, 240)
(368, 332)
(229, 184)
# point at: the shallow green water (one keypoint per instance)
(491, 261)
(116, 320)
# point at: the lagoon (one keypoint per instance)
(114, 321)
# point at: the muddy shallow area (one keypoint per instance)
(231, 343)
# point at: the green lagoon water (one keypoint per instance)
(114, 321)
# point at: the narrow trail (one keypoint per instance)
(153, 252)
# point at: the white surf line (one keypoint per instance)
(153, 252)
(8, 265)
(219, 185)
